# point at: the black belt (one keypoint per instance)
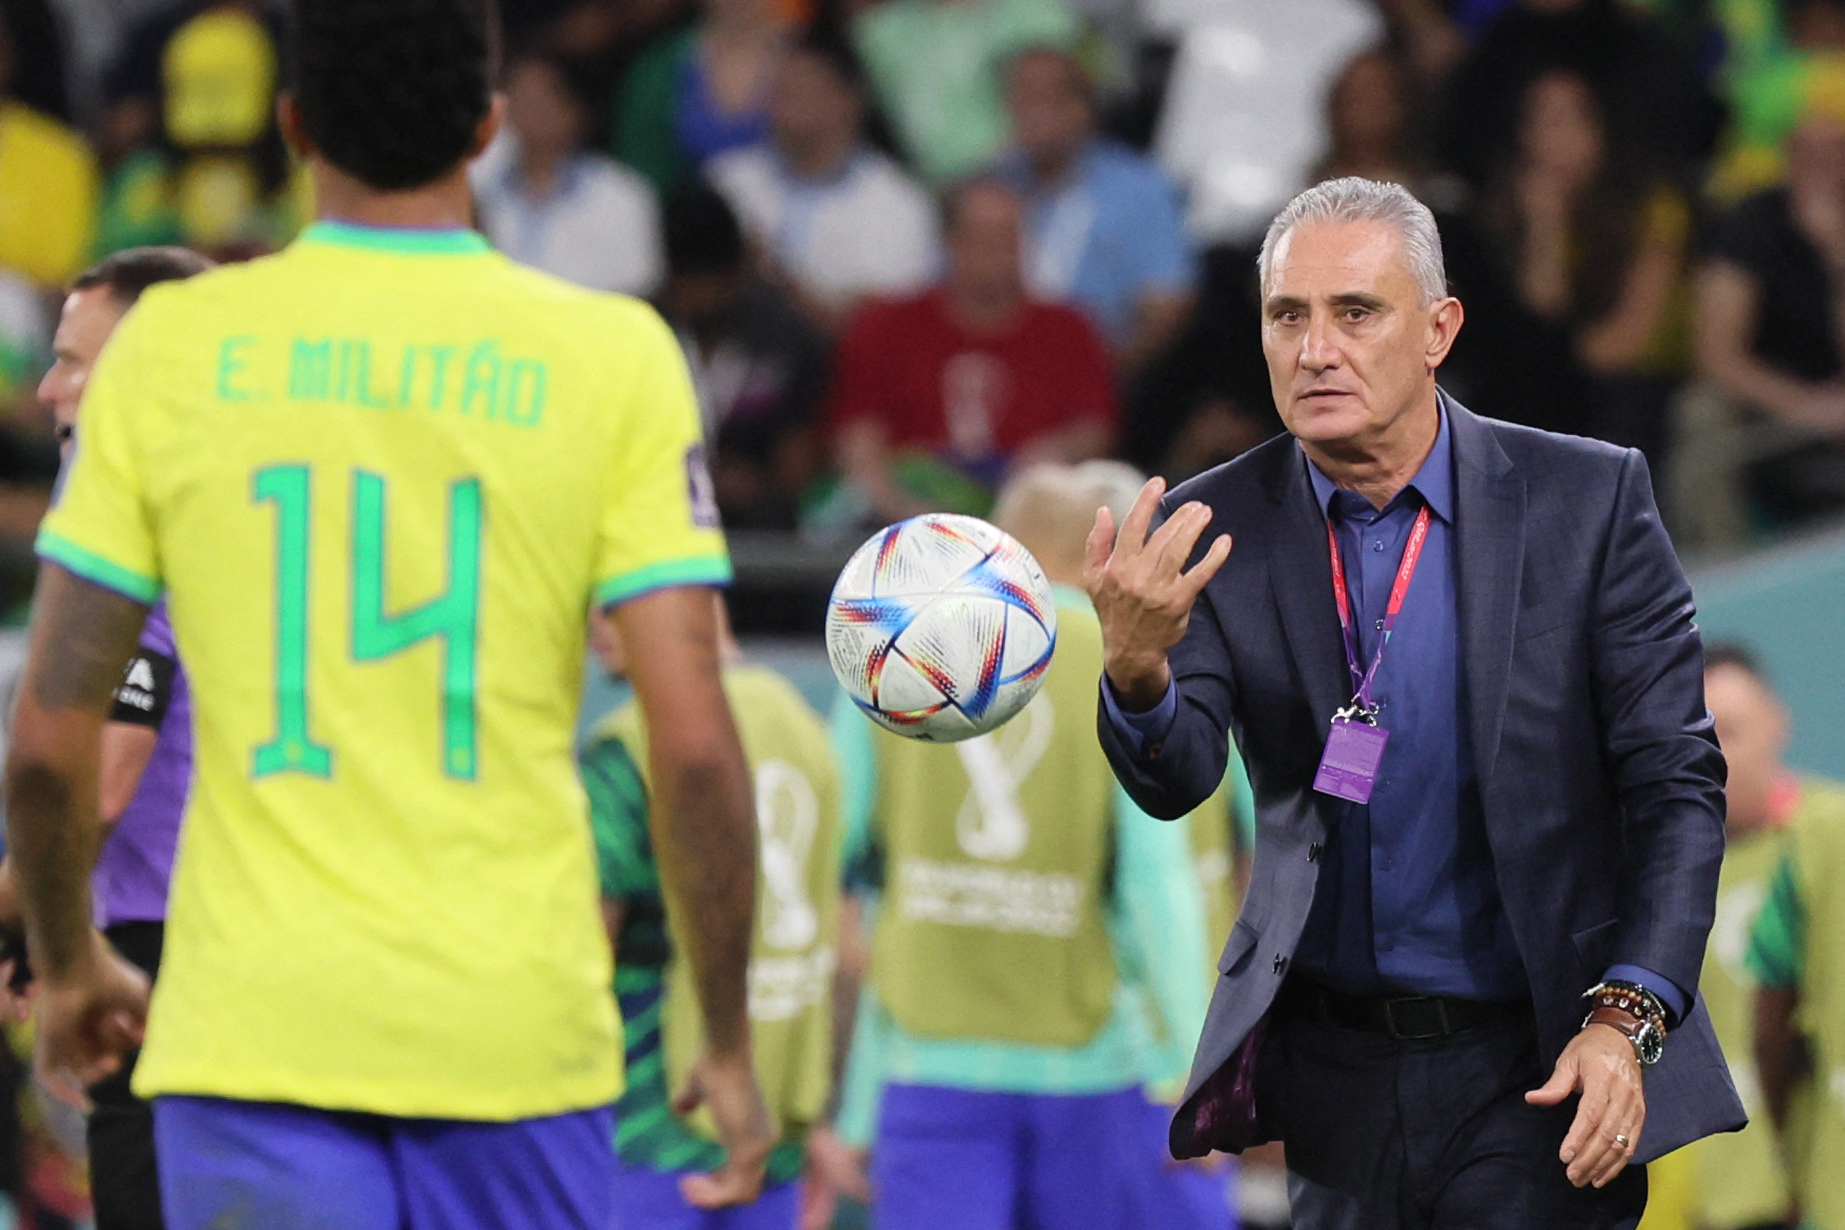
(1406, 1018)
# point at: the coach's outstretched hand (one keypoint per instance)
(726, 1086)
(1599, 1063)
(1142, 593)
(88, 1019)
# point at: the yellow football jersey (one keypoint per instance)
(381, 477)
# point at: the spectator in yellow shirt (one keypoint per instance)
(47, 188)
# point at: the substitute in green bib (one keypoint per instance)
(1796, 953)
(1036, 945)
(1738, 1179)
(792, 958)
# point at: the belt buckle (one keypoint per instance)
(1397, 1034)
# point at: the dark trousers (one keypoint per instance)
(124, 1184)
(1428, 1135)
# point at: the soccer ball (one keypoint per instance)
(941, 627)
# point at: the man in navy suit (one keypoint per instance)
(1458, 657)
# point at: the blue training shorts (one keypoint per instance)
(649, 1200)
(229, 1165)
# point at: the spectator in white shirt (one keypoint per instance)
(548, 202)
(833, 218)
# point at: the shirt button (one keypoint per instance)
(1379, 625)
(1378, 545)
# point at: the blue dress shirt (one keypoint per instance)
(1407, 902)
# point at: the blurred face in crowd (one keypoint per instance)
(1753, 728)
(544, 112)
(814, 112)
(1816, 156)
(89, 317)
(1816, 25)
(984, 244)
(1367, 108)
(1561, 131)
(1351, 347)
(1052, 117)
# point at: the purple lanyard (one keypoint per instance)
(1412, 553)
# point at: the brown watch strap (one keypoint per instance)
(1628, 1023)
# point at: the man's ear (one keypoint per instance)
(489, 126)
(1445, 322)
(288, 120)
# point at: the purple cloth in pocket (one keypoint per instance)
(1224, 1108)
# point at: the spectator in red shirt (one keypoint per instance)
(936, 398)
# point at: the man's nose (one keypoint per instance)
(1319, 348)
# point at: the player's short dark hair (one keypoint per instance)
(1730, 653)
(701, 233)
(392, 91)
(129, 272)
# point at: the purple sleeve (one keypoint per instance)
(157, 633)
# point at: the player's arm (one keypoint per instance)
(82, 635)
(704, 836)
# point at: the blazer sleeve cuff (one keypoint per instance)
(1676, 1001)
(1139, 729)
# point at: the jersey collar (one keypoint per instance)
(404, 240)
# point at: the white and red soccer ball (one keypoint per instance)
(941, 627)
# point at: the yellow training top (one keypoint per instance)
(381, 477)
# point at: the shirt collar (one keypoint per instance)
(1434, 482)
(416, 241)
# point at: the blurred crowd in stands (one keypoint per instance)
(911, 245)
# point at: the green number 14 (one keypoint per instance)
(453, 616)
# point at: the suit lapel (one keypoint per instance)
(1300, 572)
(1489, 565)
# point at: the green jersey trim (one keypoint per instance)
(406, 241)
(97, 570)
(705, 570)
(1777, 940)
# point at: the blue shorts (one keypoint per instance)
(650, 1200)
(229, 1165)
(1006, 1161)
(1172, 1196)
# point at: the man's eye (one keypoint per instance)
(1354, 315)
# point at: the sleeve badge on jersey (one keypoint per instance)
(700, 490)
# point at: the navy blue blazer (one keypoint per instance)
(1599, 770)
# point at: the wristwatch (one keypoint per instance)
(1635, 1011)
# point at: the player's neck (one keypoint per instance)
(445, 203)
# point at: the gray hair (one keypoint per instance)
(1353, 199)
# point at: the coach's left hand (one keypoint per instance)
(1599, 1063)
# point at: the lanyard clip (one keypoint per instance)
(1357, 711)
